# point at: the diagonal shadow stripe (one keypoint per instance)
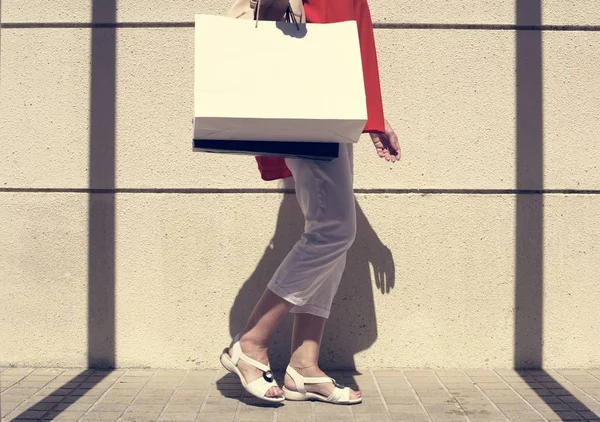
(529, 250)
(101, 218)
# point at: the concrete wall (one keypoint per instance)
(120, 246)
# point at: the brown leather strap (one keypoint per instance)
(289, 14)
(257, 12)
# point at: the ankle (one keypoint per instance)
(300, 364)
(251, 343)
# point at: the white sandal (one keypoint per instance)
(259, 387)
(340, 395)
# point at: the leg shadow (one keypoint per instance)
(352, 326)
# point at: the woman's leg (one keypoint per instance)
(307, 279)
(306, 344)
(254, 339)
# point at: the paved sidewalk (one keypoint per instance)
(165, 395)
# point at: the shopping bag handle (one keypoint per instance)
(289, 14)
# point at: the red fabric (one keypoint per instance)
(328, 11)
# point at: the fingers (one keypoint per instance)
(396, 144)
(387, 145)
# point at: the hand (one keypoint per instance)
(386, 144)
(384, 270)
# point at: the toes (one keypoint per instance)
(274, 392)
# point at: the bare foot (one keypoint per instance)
(324, 389)
(250, 373)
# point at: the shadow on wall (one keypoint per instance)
(352, 326)
(101, 220)
(556, 400)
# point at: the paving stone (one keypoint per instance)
(590, 415)
(73, 407)
(579, 407)
(186, 401)
(33, 405)
(19, 391)
(152, 400)
(16, 372)
(479, 408)
(332, 418)
(544, 399)
(183, 417)
(460, 385)
(327, 408)
(182, 408)
(218, 408)
(441, 399)
(8, 397)
(250, 413)
(427, 392)
(535, 393)
(102, 416)
(9, 406)
(216, 417)
(506, 372)
(110, 399)
(563, 407)
(562, 416)
(145, 408)
(26, 414)
(514, 407)
(296, 418)
(138, 417)
(565, 392)
(445, 417)
(368, 408)
(487, 417)
(89, 392)
(401, 400)
(371, 417)
(294, 408)
(400, 408)
(189, 385)
(473, 401)
(523, 416)
(485, 386)
(64, 416)
(47, 399)
(109, 407)
(410, 417)
(486, 378)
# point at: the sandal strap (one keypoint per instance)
(301, 381)
(339, 395)
(255, 363)
(237, 354)
(317, 380)
(260, 386)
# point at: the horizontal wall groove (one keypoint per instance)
(377, 25)
(279, 191)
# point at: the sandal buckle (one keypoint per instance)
(268, 376)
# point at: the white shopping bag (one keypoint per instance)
(277, 81)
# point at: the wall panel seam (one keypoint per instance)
(372, 191)
(379, 25)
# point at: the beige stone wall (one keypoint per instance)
(479, 271)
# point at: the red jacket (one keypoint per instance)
(328, 11)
